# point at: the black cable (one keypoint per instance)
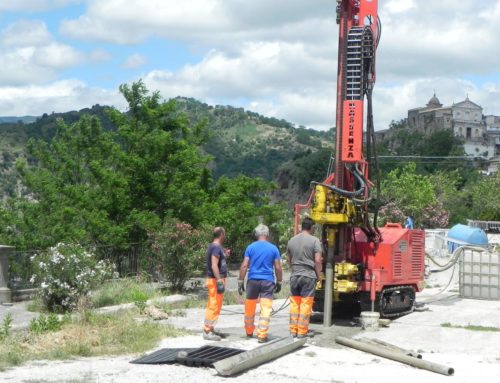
(375, 156)
(346, 193)
(379, 27)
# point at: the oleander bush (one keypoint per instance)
(66, 274)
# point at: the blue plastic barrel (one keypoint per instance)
(465, 235)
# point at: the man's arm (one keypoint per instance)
(244, 268)
(278, 270)
(215, 266)
(318, 264)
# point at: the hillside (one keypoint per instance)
(241, 142)
(244, 142)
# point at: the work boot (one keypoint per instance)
(293, 334)
(219, 334)
(310, 334)
(211, 336)
(249, 336)
(262, 340)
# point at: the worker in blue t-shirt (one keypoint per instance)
(262, 261)
(409, 222)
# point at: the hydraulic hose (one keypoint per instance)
(454, 258)
(346, 193)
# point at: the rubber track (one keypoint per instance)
(396, 313)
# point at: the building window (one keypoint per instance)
(468, 135)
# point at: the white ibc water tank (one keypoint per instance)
(480, 275)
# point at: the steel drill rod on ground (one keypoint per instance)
(396, 356)
(394, 347)
(253, 358)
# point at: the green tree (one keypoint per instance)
(238, 205)
(484, 197)
(98, 187)
(408, 188)
(411, 193)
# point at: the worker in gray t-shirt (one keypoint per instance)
(304, 253)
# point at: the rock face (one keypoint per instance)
(155, 313)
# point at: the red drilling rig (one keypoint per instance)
(380, 269)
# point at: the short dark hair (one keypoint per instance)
(307, 224)
(218, 232)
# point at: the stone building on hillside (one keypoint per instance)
(493, 131)
(464, 118)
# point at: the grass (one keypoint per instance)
(36, 305)
(472, 327)
(118, 291)
(91, 335)
(112, 292)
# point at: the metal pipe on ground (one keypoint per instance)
(396, 356)
(395, 348)
(253, 358)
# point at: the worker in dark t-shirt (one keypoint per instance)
(304, 253)
(216, 281)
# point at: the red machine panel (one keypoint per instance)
(352, 139)
(397, 260)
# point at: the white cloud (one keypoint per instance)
(59, 96)
(57, 56)
(29, 54)
(25, 33)
(134, 61)
(34, 5)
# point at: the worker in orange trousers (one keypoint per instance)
(262, 260)
(216, 281)
(304, 254)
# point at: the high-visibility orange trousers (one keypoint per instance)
(266, 307)
(300, 314)
(214, 305)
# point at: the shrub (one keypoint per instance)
(392, 213)
(67, 273)
(140, 299)
(6, 326)
(179, 250)
(47, 323)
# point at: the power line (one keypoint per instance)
(435, 157)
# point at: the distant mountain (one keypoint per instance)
(241, 142)
(13, 120)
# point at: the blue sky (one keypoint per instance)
(277, 58)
